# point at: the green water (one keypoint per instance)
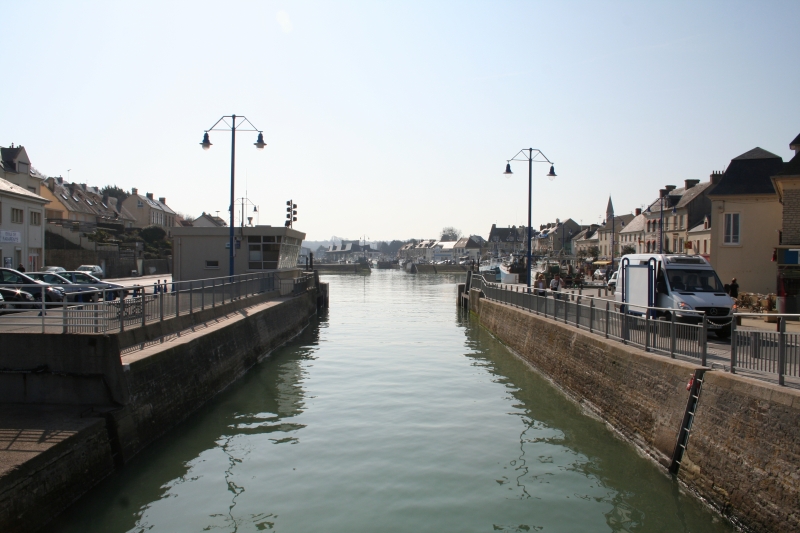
(393, 411)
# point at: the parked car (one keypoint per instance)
(94, 270)
(612, 283)
(84, 278)
(11, 278)
(74, 291)
(15, 299)
(54, 269)
(600, 273)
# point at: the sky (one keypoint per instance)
(391, 120)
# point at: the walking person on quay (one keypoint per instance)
(541, 285)
(556, 284)
(734, 289)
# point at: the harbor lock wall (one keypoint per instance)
(743, 455)
(134, 399)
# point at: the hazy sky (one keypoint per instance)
(394, 119)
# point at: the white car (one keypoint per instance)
(94, 270)
(600, 273)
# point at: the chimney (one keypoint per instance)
(60, 180)
(690, 183)
(83, 186)
(716, 176)
(134, 191)
(163, 200)
(669, 188)
(638, 211)
(662, 193)
(149, 195)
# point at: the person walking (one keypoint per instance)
(541, 285)
(734, 289)
(556, 284)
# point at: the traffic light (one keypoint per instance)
(291, 212)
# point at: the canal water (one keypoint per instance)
(393, 412)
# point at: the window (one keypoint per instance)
(17, 216)
(139, 204)
(705, 246)
(36, 218)
(212, 264)
(731, 229)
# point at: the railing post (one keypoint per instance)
(202, 295)
(121, 313)
(161, 298)
(578, 313)
(781, 350)
(191, 298)
(144, 308)
(566, 307)
(734, 336)
(177, 299)
(607, 321)
(591, 314)
(673, 336)
(213, 293)
(647, 330)
(64, 315)
(43, 312)
(704, 341)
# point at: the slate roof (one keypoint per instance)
(155, 204)
(512, 234)
(618, 223)
(637, 224)
(9, 188)
(74, 197)
(792, 168)
(749, 173)
(795, 144)
(698, 228)
(467, 242)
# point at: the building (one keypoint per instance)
(202, 253)
(208, 221)
(699, 239)
(683, 208)
(77, 209)
(415, 251)
(505, 241)
(608, 236)
(787, 185)
(467, 247)
(746, 218)
(632, 235)
(444, 251)
(585, 240)
(15, 167)
(21, 227)
(147, 211)
(556, 238)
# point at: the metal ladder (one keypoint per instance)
(688, 418)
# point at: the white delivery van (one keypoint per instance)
(674, 283)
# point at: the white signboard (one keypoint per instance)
(14, 237)
(637, 278)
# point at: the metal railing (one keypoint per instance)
(599, 315)
(113, 310)
(760, 353)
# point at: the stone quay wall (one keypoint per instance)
(743, 455)
(136, 397)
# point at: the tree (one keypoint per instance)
(152, 234)
(628, 249)
(582, 253)
(594, 252)
(450, 233)
(115, 192)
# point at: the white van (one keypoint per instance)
(677, 282)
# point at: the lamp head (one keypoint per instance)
(206, 144)
(508, 170)
(552, 173)
(260, 144)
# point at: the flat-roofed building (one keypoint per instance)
(202, 253)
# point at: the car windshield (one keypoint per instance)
(48, 277)
(84, 278)
(694, 280)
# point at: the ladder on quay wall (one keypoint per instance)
(688, 418)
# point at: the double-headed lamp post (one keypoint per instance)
(530, 157)
(206, 144)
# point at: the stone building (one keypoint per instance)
(787, 185)
(746, 221)
(150, 212)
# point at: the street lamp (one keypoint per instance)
(530, 158)
(206, 144)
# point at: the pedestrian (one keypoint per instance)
(157, 287)
(541, 285)
(556, 284)
(734, 288)
(21, 268)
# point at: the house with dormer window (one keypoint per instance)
(147, 211)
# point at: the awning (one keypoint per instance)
(602, 263)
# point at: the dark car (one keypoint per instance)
(84, 278)
(74, 291)
(13, 279)
(15, 299)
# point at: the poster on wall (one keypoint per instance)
(7, 262)
(14, 237)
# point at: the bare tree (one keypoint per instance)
(450, 233)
